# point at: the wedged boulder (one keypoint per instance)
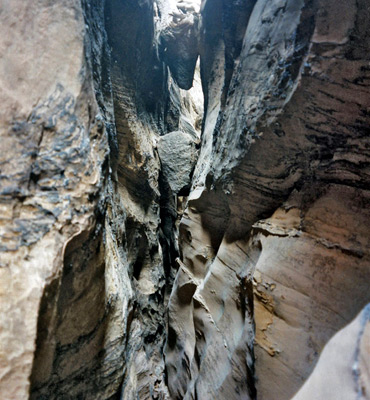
(179, 47)
(177, 151)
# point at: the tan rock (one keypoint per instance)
(313, 274)
(44, 185)
(342, 371)
(283, 175)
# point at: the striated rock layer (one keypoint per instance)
(342, 371)
(279, 205)
(52, 194)
(86, 236)
(149, 251)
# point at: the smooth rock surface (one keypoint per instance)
(311, 278)
(342, 371)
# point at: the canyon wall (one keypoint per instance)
(151, 249)
(275, 236)
(87, 227)
(53, 174)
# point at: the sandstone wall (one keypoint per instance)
(148, 253)
(280, 202)
(85, 99)
(52, 174)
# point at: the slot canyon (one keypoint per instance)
(185, 199)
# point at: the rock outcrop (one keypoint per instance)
(85, 98)
(177, 152)
(153, 250)
(342, 371)
(279, 204)
(53, 151)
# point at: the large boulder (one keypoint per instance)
(177, 151)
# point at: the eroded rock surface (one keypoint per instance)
(52, 154)
(147, 252)
(177, 152)
(280, 192)
(85, 98)
(342, 371)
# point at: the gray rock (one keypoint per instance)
(179, 47)
(177, 151)
(104, 291)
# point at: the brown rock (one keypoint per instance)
(112, 281)
(51, 156)
(342, 371)
(283, 175)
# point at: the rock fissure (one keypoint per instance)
(184, 199)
